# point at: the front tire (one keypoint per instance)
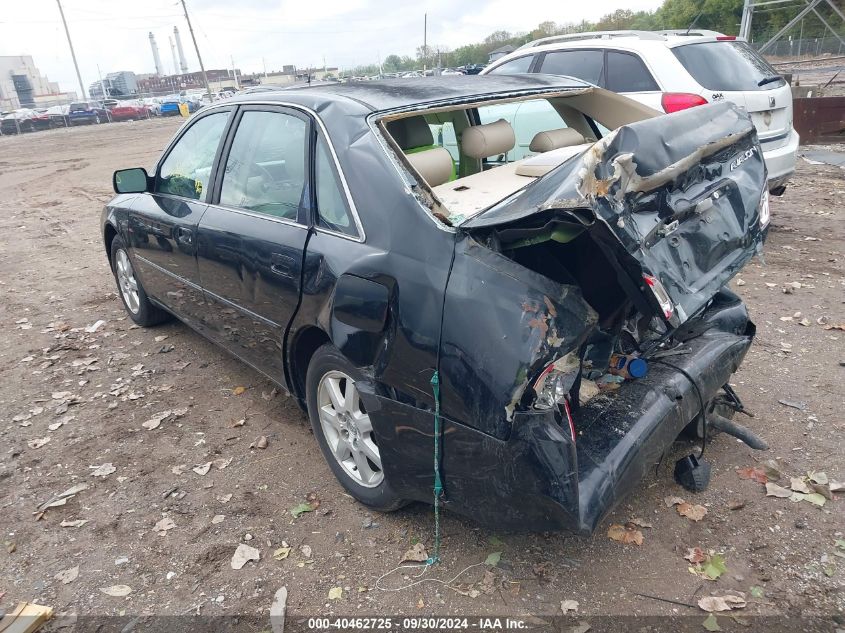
(344, 430)
(135, 300)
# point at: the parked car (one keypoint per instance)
(18, 121)
(278, 224)
(83, 112)
(153, 104)
(170, 106)
(129, 111)
(671, 71)
(59, 116)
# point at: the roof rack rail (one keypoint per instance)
(691, 32)
(592, 35)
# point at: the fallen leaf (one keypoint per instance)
(301, 509)
(625, 534)
(773, 490)
(722, 603)
(640, 523)
(415, 554)
(754, 474)
(837, 326)
(493, 558)
(68, 575)
(202, 469)
(165, 524)
(155, 421)
(711, 623)
(225, 498)
(798, 485)
(794, 405)
(672, 501)
(281, 553)
(74, 524)
(221, 464)
(261, 442)
(736, 504)
(815, 498)
(569, 605)
(238, 391)
(243, 554)
(335, 593)
(817, 478)
(237, 423)
(117, 591)
(104, 470)
(38, 443)
(693, 512)
(695, 555)
(772, 469)
(714, 567)
(10, 547)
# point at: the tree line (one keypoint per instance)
(718, 15)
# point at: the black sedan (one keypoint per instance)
(463, 280)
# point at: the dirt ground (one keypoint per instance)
(86, 391)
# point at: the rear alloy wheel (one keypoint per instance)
(344, 429)
(141, 310)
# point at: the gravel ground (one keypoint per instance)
(157, 518)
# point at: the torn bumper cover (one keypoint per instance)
(538, 479)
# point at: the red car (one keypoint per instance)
(129, 112)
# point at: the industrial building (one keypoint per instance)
(23, 86)
(119, 84)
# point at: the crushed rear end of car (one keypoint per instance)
(639, 235)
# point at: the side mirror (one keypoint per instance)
(134, 180)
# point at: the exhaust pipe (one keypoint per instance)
(737, 430)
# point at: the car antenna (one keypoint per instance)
(693, 23)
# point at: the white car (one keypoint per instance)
(671, 71)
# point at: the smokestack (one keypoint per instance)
(156, 58)
(173, 52)
(182, 63)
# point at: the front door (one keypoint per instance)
(252, 238)
(163, 224)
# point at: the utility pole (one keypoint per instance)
(72, 54)
(425, 41)
(197, 49)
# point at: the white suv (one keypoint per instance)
(670, 71)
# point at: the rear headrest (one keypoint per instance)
(481, 141)
(555, 139)
(410, 132)
(434, 165)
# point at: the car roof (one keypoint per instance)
(388, 94)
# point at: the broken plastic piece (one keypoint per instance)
(692, 474)
(628, 366)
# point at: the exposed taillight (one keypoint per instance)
(726, 38)
(569, 418)
(661, 295)
(764, 208)
(553, 385)
(676, 101)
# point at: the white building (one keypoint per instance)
(23, 86)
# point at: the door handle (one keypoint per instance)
(184, 236)
(281, 264)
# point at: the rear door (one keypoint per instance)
(252, 238)
(162, 225)
(626, 73)
(733, 71)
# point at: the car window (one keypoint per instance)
(265, 169)
(729, 65)
(514, 66)
(187, 168)
(628, 73)
(332, 210)
(586, 65)
(527, 118)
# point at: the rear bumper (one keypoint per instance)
(780, 162)
(538, 479)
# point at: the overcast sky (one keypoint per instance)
(114, 33)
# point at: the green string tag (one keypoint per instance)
(438, 483)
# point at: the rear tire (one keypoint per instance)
(138, 306)
(344, 431)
